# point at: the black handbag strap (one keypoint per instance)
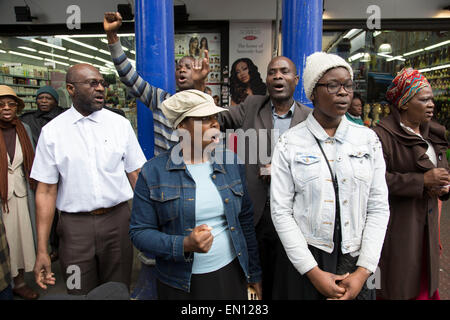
(333, 177)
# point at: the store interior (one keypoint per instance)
(26, 63)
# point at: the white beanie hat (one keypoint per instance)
(317, 65)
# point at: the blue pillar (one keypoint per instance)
(302, 35)
(155, 58)
(155, 62)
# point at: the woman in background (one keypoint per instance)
(245, 80)
(355, 109)
(417, 175)
(194, 51)
(16, 195)
(203, 47)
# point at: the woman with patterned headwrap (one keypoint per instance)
(414, 147)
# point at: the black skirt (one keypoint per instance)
(291, 285)
(227, 283)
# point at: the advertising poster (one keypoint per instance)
(251, 40)
(250, 53)
(194, 44)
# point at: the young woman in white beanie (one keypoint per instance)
(329, 197)
(192, 211)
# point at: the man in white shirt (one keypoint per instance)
(87, 162)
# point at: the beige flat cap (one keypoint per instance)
(189, 103)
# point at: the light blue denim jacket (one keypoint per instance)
(302, 193)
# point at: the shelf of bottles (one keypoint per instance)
(440, 82)
(25, 80)
(435, 66)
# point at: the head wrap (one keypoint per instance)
(405, 86)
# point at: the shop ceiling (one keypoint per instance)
(55, 12)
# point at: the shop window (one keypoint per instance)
(377, 56)
(27, 63)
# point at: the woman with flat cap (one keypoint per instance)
(192, 211)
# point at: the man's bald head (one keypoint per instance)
(81, 72)
(282, 58)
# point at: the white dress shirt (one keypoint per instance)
(88, 157)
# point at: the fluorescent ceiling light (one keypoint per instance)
(25, 55)
(105, 52)
(2, 51)
(126, 34)
(79, 43)
(101, 59)
(1, 41)
(351, 33)
(53, 55)
(385, 55)
(132, 51)
(80, 54)
(79, 61)
(27, 48)
(438, 45)
(104, 41)
(356, 56)
(48, 44)
(412, 52)
(376, 33)
(82, 36)
(396, 58)
(125, 48)
(440, 67)
(55, 61)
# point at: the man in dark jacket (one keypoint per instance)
(48, 109)
(277, 111)
(47, 102)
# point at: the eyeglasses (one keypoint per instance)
(333, 87)
(213, 117)
(93, 83)
(10, 104)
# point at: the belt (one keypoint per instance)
(99, 211)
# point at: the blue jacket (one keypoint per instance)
(164, 213)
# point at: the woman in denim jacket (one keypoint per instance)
(329, 197)
(192, 211)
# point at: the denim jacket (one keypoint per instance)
(303, 199)
(164, 213)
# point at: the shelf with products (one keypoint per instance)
(25, 81)
(429, 59)
(440, 83)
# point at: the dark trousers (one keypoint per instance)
(227, 283)
(99, 245)
(6, 294)
(269, 250)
